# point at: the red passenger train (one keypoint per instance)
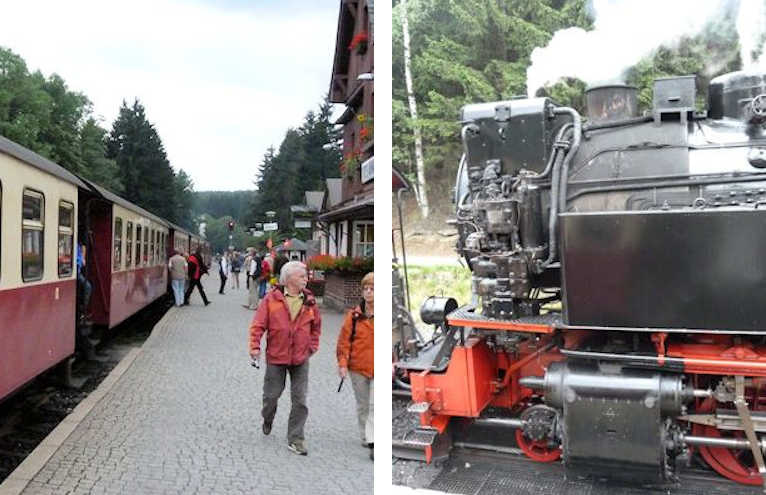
(46, 212)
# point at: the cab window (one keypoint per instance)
(32, 235)
(66, 239)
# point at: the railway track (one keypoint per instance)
(485, 461)
(27, 417)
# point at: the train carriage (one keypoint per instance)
(127, 260)
(38, 222)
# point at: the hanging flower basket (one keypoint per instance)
(359, 43)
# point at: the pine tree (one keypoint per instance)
(140, 156)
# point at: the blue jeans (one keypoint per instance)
(178, 290)
(262, 288)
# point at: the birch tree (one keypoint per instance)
(421, 192)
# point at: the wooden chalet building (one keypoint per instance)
(346, 223)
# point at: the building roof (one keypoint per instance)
(361, 207)
(40, 162)
(398, 180)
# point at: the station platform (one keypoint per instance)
(182, 415)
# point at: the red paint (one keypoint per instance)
(99, 261)
(37, 331)
(132, 290)
(722, 358)
(537, 450)
(501, 325)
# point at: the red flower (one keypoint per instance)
(358, 39)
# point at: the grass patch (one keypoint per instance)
(447, 281)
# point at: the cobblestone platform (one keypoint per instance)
(185, 418)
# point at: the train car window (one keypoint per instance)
(32, 235)
(66, 239)
(146, 246)
(138, 245)
(129, 245)
(117, 243)
(153, 242)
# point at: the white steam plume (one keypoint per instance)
(750, 24)
(624, 31)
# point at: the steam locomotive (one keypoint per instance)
(618, 319)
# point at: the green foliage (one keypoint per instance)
(300, 164)
(217, 233)
(426, 281)
(235, 204)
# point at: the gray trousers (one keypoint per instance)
(274, 384)
(365, 410)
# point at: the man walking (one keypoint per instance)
(290, 316)
(178, 267)
(197, 268)
(223, 270)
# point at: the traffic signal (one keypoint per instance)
(231, 225)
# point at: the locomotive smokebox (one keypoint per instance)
(732, 95)
(609, 103)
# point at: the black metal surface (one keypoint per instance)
(611, 103)
(699, 269)
(518, 132)
(468, 312)
(475, 472)
(676, 93)
(728, 92)
(434, 309)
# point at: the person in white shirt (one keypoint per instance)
(223, 270)
(253, 269)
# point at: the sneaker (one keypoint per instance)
(266, 428)
(298, 447)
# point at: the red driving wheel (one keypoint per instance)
(537, 450)
(737, 465)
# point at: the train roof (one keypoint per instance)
(178, 228)
(30, 157)
(110, 196)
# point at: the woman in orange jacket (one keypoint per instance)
(355, 353)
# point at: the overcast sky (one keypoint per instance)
(221, 80)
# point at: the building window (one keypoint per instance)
(117, 243)
(138, 245)
(363, 239)
(151, 246)
(32, 235)
(66, 239)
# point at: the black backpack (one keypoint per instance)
(257, 267)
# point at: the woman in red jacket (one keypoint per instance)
(355, 353)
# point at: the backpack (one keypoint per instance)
(257, 260)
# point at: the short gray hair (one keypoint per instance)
(288, 269)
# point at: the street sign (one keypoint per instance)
(268, 227)
(257, 233)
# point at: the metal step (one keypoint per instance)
(418, 407)
(420, 437)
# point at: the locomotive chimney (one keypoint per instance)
(613, 102)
